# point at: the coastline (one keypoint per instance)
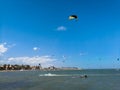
(39, 70)
(14, 70)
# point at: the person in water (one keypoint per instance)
(83, 76)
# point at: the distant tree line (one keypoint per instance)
(18, 67)
(28, 67)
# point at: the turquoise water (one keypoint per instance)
(60, 80)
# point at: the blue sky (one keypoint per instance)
(40, 30)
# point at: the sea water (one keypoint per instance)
(104, 79)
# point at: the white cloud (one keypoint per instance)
(3, 49)
(61, 28)
(35, 48)
(44, 60)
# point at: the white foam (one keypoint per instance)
(49, 74)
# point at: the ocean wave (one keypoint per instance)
(50, 74)
(77, 75)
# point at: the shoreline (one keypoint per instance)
(55, 70)
(14, 70)
(35, 70)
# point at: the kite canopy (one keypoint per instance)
(71, 17)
